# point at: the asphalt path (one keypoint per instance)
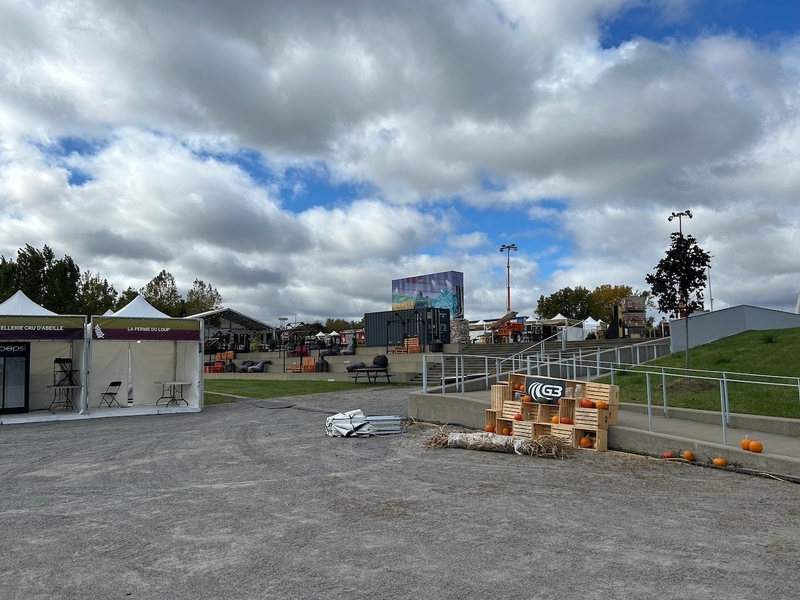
(252, 500)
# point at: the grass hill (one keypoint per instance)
(773, 353)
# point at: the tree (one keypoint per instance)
(52, 283)
(162, 294)
(679, 279)
(605, 297)
(96, 294)
(201, 298)
(573, 304)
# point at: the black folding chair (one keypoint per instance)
(110, 395)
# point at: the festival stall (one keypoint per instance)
(42, 358)
(158, 359)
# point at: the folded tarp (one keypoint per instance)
(355, 424)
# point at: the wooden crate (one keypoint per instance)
(540, 429)
(530, 411)
(591, 418)
(523, 429)
(511, 408)
(546, 413)
(491, 417)
(500, 393)
(564, 432)
(515, 379)
(501, 423)
(600, 437)
(566, 408)
(609, 393)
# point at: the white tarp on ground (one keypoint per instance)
(354, 423)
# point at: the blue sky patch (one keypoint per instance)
(768, 20)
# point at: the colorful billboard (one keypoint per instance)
(437, 290)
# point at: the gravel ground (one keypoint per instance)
(242, 501)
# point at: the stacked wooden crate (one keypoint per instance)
(575, 419)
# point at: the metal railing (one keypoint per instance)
(564, 365)
(578, 366)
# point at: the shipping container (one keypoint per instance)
(390, 328)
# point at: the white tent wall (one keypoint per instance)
(43, 355)
(177, 358)
(189, 367)
(109, 362)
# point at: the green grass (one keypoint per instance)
(264, 389)
(774, 352)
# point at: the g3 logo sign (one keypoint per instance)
(546, 390)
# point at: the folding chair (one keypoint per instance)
(110, 395)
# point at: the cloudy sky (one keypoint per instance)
(300, 155)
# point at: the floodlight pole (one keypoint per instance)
(507, 249)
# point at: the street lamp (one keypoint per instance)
(507, 250)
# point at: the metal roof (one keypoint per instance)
(234, 316)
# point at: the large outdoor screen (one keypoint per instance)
(437, 290)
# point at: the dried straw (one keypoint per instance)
(545, 446)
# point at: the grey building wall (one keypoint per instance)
(711, 326)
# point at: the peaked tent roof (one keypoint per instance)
(20, 305)
(234, 316)
(139, 307)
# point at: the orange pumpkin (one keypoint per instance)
(688, 455)
(720, 462)
(554, 419)
(602, 405)
(506, 431)
(489, 428)
(586, 403)
(585, 442)
(527, 398)
(745, 444)
(756, 446)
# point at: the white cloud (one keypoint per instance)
(419, 102)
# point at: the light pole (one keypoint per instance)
(683, 213)
(507, 249)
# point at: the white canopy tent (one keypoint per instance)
(143, 346)
(40, 337)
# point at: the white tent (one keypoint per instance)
(40, 337)
(20, 304)
(149, 349)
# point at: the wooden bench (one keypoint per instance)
(372, 374)
(410, 346)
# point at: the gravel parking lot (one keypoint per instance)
(244, 501)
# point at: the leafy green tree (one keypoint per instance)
(162, 294)
(62, 287)
(52, 283)
(336, 325)
(201, 298)
(679, 280)
(603, 299)
(572, 303)
(96, 294)
(8, 278)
